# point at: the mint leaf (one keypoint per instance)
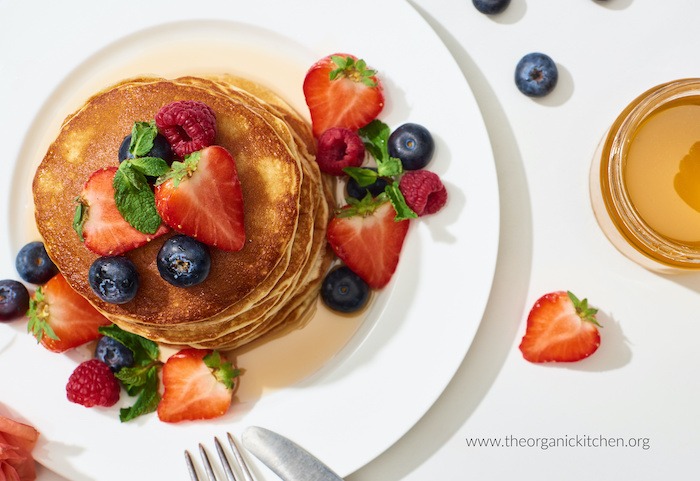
(142, 136)
(362, 176)
(151, 166)
(134, 198)
(375, 136)
(403, 211)
(148, 399)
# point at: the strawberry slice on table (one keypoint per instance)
(197, 384)
(368, 239)
(560, 328)
(341, 91)
(202, 198)
(99, 223)
(62, 319)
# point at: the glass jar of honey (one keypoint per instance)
(645, 178)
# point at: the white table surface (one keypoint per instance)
(643, 382)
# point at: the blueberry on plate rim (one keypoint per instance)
(344, 291)
(14, 299)
(536, 74)
(114, 279)
(412, 144)
(33, 263)
(183, 261)
(491, 7)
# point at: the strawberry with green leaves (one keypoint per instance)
(116, 210)
(341, 91)
(202, 198)
(366, 236)
(197, 384)
(62, 319)
(560, 328)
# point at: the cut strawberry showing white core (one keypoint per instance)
(368, 239)
(202, 198)
(560, 328)
(99, 223)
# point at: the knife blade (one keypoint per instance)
(284, 457)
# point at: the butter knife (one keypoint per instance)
(284, 457)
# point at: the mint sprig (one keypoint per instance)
(132, 192)
(141, 379)
(375, 136)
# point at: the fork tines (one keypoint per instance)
(240, 462)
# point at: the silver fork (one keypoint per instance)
(242, 466)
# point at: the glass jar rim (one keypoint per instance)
(619, 205)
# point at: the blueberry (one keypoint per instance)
(113, 353)
(490, 7)
(183, 261)
(536, 74)
(161, 149)
(344, 291)
(33, 263)
(354, 190)
(413, 144)
(114, 279)
(14, 299)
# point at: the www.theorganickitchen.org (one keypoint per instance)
(543, 442)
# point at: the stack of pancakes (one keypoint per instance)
(272, 283)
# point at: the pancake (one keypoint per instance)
(272, 280)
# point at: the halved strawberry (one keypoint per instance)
(197, 384)
(201, 197)
(342, 92)
(560, 328)
(366, 236)
(62, 319)
(98, 221)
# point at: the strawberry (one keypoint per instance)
(366, 236)
(197, 384)
(560, 328)
(100, 224)
(341, 91)
(201, 197)
(62, 319)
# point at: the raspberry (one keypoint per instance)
(338, 148)
(188, 125)
(424, 191)
(93, 384)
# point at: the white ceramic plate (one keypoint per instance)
(364, 392)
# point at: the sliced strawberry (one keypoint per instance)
(202, 198)
(62, 319)
(98, 221)
(366, 237)
(560, 328)
(197, 384)
(341, 91)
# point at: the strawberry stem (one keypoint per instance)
(586, 313)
